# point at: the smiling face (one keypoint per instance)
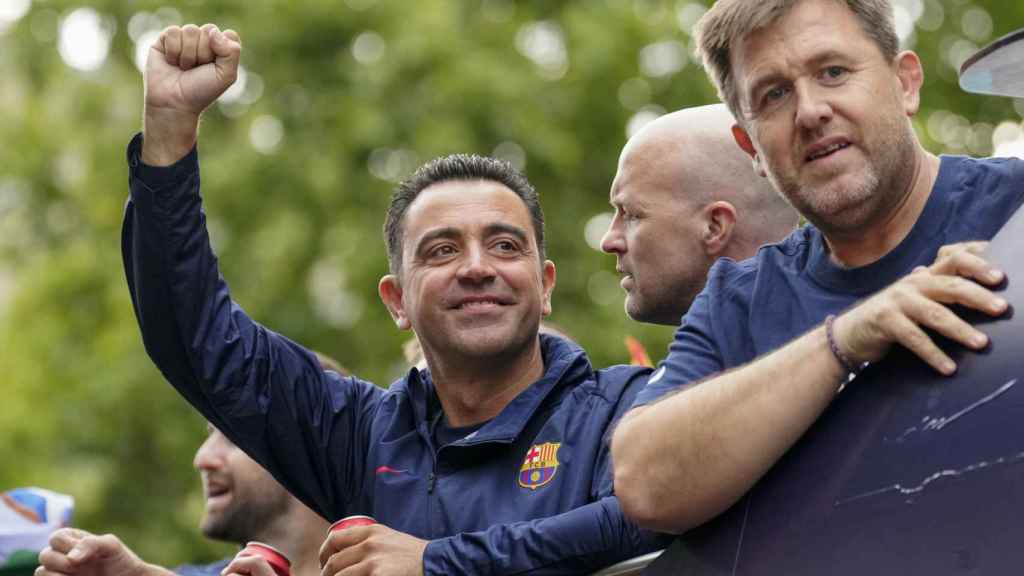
(472, 284)
(242, 498)
(826, 114)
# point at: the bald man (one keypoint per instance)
(685, 195)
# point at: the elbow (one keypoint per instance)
(650, 494)
(638, 494)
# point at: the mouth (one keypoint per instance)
(624, 273)
(481, 303)
(216, 492)
(825, 149)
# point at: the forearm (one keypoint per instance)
(681, 461)
(579, 541)
(168, 135)
(154, 570)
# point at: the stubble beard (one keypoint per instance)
(244, 522)
(847, 203)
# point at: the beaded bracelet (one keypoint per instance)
(850, 367)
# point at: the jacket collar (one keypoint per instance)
(565, 363)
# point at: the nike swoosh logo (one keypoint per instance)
(389, 470)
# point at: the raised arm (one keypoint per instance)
(266, 393)
(683, 460)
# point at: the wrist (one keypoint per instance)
(167, 136)
(850, 365)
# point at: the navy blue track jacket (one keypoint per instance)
(529, 492)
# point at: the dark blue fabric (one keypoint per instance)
(203, 569)
(344, 446)
(750, 308)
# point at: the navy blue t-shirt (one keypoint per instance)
(753, 307)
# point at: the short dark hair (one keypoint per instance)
(465, 167)
(730, 21)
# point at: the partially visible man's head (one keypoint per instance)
(242, 498)
(456, 167)
(685, 195)
(728, 22)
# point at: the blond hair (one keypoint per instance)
(728, 22)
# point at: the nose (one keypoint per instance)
(476, 266)
(210, 454)
(813, 109)
(613, 241)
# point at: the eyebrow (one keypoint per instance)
(452, 233)
(501, 228)
(446, 232)
(774, 76)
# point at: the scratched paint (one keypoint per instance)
(929, 423)
(915, 489)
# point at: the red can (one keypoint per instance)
(278, 561)
(350, 521)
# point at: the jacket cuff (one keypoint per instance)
(159, 177)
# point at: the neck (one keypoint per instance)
(298, 535)
(878, 236)
(474, 392)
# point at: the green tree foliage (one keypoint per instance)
(341, 100)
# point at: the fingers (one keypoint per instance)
(189, 46)
(64, 539)
(53, 561)
(965, 260)
(227, 52)
(957, 290)
(190, 36)
(170, 40)
(248, 566)
(43, 571)
(204, 53)
(340, 540)
(344, 559)
(911, 336)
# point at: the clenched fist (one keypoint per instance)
(188, 67)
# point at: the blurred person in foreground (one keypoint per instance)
(491, 461)
(823, 98)
(684, 196)
(243, 504)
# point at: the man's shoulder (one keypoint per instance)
(212, 569)
(732, 278)
(576, 371)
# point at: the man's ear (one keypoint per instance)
(719, 225)
(548, 280)
(390, 290)
(744, 142)
(911, 76)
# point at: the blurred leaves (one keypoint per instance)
(362, 91)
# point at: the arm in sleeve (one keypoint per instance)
(308, 427)
(579, 541)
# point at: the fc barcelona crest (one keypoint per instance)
(540, 465)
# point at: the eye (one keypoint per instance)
(833, 73)
(774, 94)
(441, 251)
(506, 246)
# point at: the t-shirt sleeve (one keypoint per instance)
(714, 334)
(692, 355)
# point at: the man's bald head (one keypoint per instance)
(685, 194)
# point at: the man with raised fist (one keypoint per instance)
(492, 460)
